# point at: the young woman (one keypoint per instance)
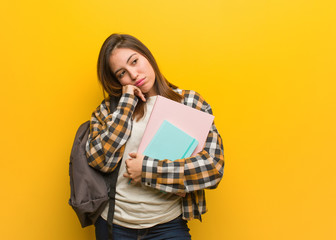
(154, 198)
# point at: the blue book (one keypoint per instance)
(170, 142)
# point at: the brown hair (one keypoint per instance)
(109, 81)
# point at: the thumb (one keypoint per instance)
(133, 155)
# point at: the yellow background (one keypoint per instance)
(267, 68)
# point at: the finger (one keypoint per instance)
(137, 180)
(143, 97)
(138, 92)
(128, 169)
(126, 175)
(133, 154)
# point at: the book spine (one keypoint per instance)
(188, 149)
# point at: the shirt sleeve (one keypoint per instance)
(109, 133)
(205, 170)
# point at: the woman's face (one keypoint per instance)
(132, 68)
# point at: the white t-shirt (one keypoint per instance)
(138, 206)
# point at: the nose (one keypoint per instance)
(133, 74)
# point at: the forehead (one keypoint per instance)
(119, 56)
(120, 52)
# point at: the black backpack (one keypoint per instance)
(91, 190)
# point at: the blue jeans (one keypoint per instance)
(177, 229)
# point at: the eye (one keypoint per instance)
(121, 74)
(135, 61)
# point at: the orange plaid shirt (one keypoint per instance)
(109, 133)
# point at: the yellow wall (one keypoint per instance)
(267, 68)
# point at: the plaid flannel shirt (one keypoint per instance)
(109, 133)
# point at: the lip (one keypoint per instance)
(140, 82)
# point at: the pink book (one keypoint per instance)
(194, 122)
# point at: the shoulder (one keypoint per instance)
(104, 105)
(195, 100)
(108, 104)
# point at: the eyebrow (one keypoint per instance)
(126, 62)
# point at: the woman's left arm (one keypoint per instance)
(205, 170)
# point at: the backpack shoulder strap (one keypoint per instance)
(114, 103)
(112, 182)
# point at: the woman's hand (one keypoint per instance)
(134, 90)
(134, 167)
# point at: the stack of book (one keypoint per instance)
(174, 130)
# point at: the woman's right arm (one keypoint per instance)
(109, 133)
